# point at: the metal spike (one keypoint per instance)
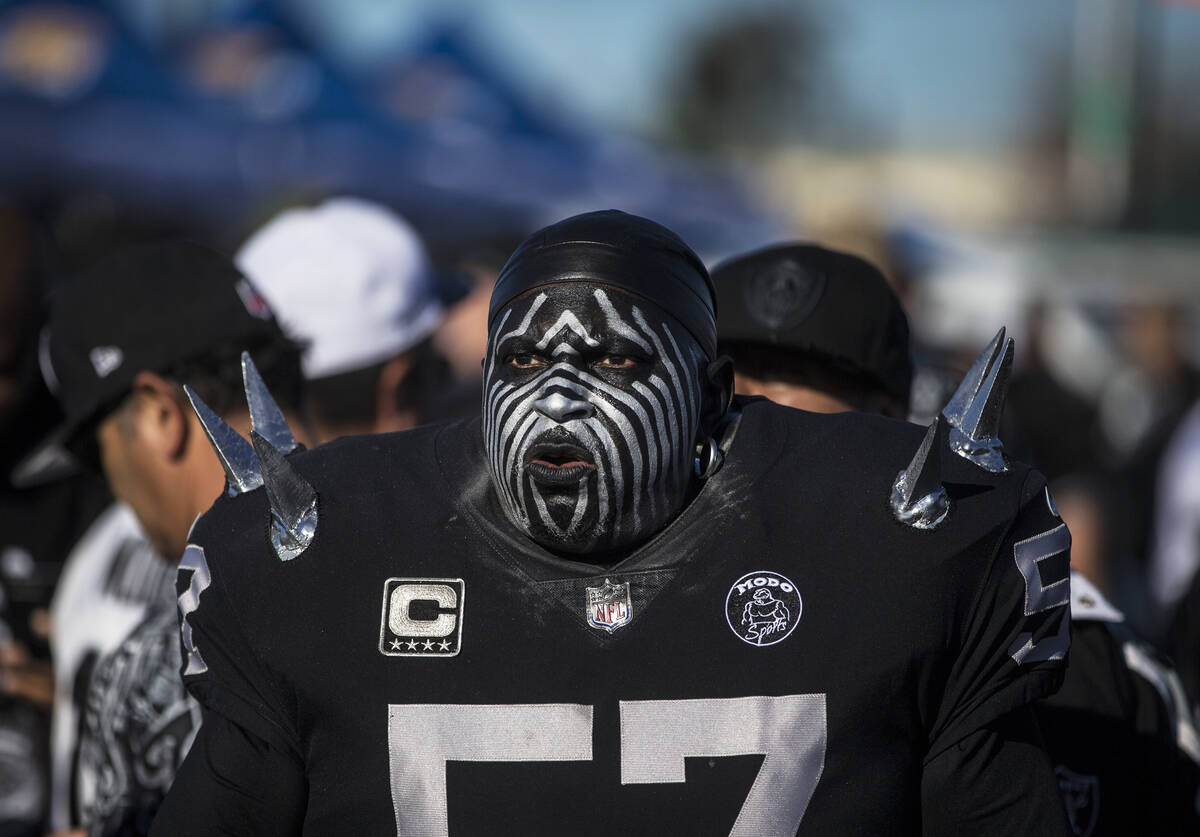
(918, 497)
(265, 416)
(237, 457)
(976, 438)
(293, 501)
(957, 407)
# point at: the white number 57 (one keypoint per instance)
(790, 732)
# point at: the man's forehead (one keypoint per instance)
(584, 311)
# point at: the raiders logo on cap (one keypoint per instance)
(763, 607)
(106, 359)
(782, 295)
(422, 617)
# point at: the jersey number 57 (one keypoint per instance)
(789, 731)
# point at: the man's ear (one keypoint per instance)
(718, 395)
(162, 414)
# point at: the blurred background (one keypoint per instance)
(1035, 165)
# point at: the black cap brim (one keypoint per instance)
(49, 461)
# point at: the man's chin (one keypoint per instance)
(586, 543)
(563, 531)
(573, 545)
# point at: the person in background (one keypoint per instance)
(352, 281)
(125, 337)
(1183, 640)
(815, 329)
(1119, 731)
(41, 518)
(1054, 425)
(462, 336)
(1175, 553)
(1174, 580)
(1140, 408)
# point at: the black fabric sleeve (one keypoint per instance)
(221, 665)
(1017, 632)
(996, 781)
(233, 783)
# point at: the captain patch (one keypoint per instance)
(422, 617)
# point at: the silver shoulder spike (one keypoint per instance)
(918, 497)
(957, 406)
(976, 437)
(293, 501)
(237, 457)
(265, 416)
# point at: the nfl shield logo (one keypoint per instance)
(609, 606)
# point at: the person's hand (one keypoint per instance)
(24, 677)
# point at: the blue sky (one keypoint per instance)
(932, 73)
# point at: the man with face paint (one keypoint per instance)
(623, 602)
(594, 396)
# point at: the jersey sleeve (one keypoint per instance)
(233, 782)
(221, 668)
(996, 781)
(1015, 633)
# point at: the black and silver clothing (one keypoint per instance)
(1121, 731)
(784, 658)
(138, 723)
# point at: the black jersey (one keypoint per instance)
(784, 658)
(1120, 731)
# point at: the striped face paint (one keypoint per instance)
(591, 404)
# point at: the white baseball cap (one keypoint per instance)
(349, 277)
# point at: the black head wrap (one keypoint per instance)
(621, 250)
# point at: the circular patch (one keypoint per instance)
(783, 295)
(763, 607)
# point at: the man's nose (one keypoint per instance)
(561, 406)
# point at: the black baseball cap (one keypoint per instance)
(144, 308)
(809, 299)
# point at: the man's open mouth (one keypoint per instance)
(558, 463)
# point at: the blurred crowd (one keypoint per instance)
(165, 180)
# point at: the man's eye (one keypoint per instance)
(617, 362)
(525, 361)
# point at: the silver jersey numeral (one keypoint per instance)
(1039, 597)
(1031, 552)
(193, 559)
(790, 732)
(423, 737)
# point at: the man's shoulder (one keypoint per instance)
(853, 459)
(361, 484)
(352, 462)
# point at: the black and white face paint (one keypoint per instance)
(591, 405)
